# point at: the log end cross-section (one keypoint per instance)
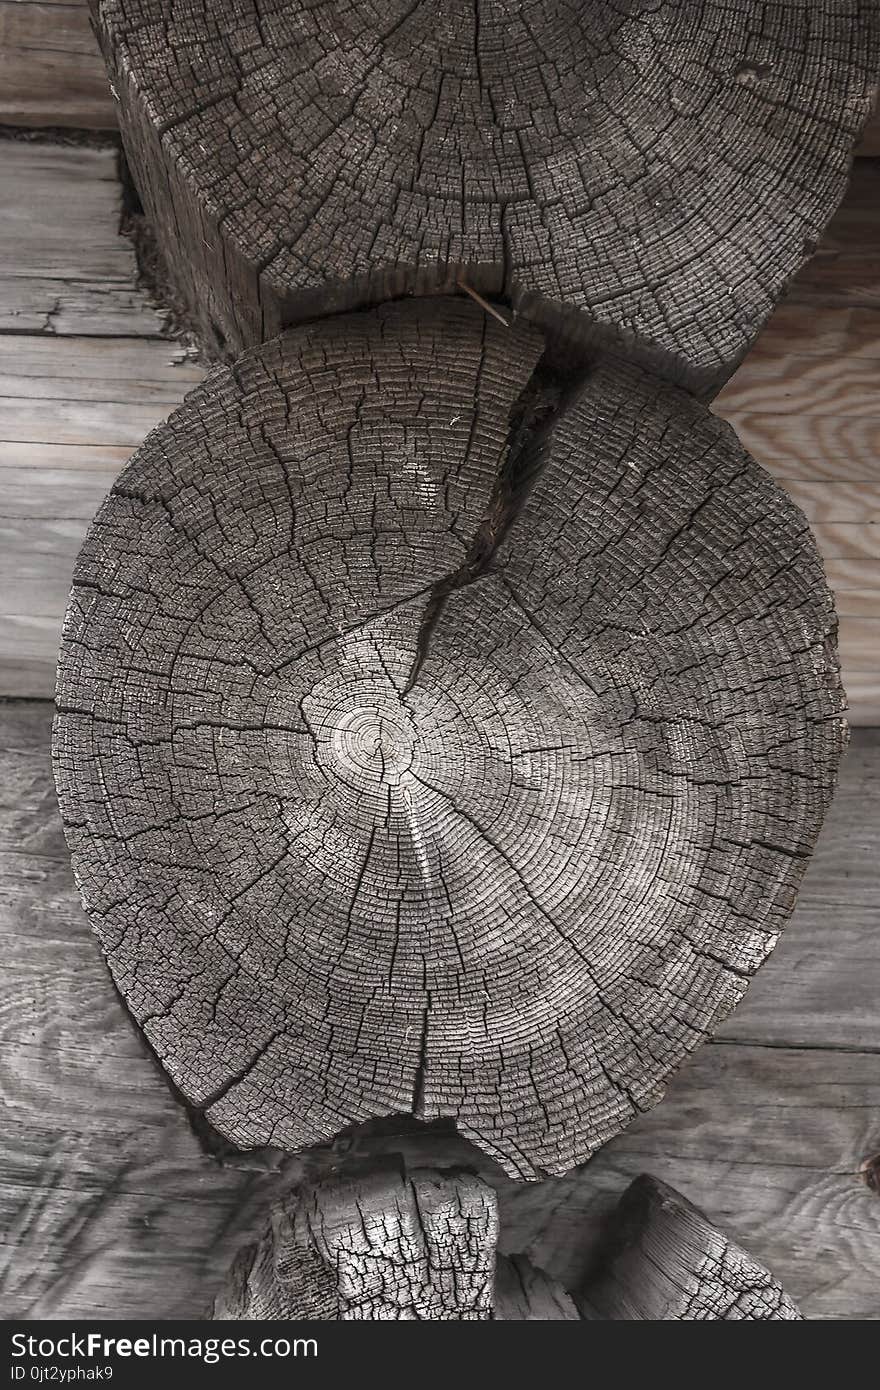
(416, 1245)
(380, 1240)
(438, 738)
(665, 1261)
(653, 173)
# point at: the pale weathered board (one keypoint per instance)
(85, 375)
(110, 1208)
(51, 69)
(806, 403)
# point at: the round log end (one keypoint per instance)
(651, 173)
(430, 741)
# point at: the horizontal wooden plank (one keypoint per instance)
(61, 207)
(122, 423)
(28, 654)
(788, 384)
(858, 603)
(71, 458)
(44, 494)
(100, 370)
(140, 366)
(859, 640)
(863, 697)
(819, 332)
(51, 69)
(851, 573)
(30, 304)
(849, 540)
(808, 446)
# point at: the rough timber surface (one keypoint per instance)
(390, 1243)
(508, 860)
(662, 1260)
(85, 375)
(651, 173)
(51, 69)
(110, 1208)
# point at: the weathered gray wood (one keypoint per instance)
(770, 1141)
(84, 376)
(296, 784)
(826, 459)
(309, 158)
(663, 1260)
(134, 1221)
(51, 73)
(387, 1243)
(65, 268)
(384, 1240)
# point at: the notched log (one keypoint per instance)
(663, 1260)
(647, 175)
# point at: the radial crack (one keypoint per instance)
(536, 412)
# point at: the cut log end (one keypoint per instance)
(430, 741)
(664, 1260)
(381, 1240)
(383, 1245)
(299, 160)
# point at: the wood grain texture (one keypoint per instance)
(84, 375)
(662, 1260)
(827, 461)
(109, 1207)
(51, 69)
(65, 268)
(402, 817)
(389, 1243)
(313, 157)
(806, 403)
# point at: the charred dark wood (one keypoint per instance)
(650, 174)
(436, 736)
(664, 1260)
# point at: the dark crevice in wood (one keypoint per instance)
(154, 278)
(62, 135)
(551, 388)
(796, 1046)
(870, 1172)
